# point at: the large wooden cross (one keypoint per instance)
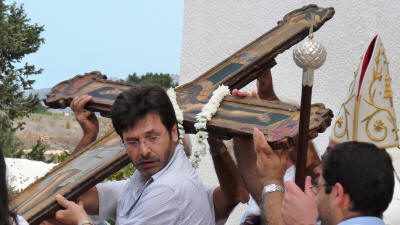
(235, 117)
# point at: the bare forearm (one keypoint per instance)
(271, 208)
(85, 141)
(90, 201)
(246, 159)
(231, 190)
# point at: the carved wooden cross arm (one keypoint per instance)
(235, 117)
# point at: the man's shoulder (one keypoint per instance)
(367, 220)
(181, 183)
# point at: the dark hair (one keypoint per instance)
(5, 212)
(134, 104)
(366, 174)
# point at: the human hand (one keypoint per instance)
(215, 145)
(51, 221)
(265, 88)
(86, 119)
(243, 94)
(271, 165)
(72, 214)
(299, 207)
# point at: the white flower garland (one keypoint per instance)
(205, 115)
(178, 113)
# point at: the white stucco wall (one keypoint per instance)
(213, 30)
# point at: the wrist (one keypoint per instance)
(217, 151)
(268, 181)
(90, 135)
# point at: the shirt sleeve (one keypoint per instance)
(21, 220)
(109, 194)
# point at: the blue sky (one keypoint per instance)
(114, 37)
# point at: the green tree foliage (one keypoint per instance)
(11, 145)
(162, 79)
(40, 108)
(18, 38)
(122, 174)
(62, 157)
(37, 152)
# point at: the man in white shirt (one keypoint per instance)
(165, 188)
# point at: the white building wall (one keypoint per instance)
(213, 30)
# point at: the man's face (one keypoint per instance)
(324, 203)
(149, 145)
(318, 169)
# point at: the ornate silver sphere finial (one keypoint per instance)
(310, 54)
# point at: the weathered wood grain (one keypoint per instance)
(71, 178)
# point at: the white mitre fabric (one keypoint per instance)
(392, 216)
(367, 114)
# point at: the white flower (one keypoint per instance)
(200, 126)
(202, 118)
(178, 113)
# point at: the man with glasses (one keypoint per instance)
(164, 189)
(353, 191)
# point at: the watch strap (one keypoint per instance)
(272, 188)
(82, 222)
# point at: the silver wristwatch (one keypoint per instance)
(272, 188)
(82, 222)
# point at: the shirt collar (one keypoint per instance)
(370, 220)
(176, 154)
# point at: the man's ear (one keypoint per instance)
(174, 133)
(339, 195)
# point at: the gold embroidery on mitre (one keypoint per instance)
(379, 125)
(373, 137)
(388, 90)
(340, 121)
(377, 70)
(355, 118)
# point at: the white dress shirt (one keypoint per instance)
(174, 195)
(362, 220)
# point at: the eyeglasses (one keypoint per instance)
(315, 188)
(148, 141)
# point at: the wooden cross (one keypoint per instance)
(235, 117)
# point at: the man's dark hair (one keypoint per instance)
(366, 174)
(135, 103)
